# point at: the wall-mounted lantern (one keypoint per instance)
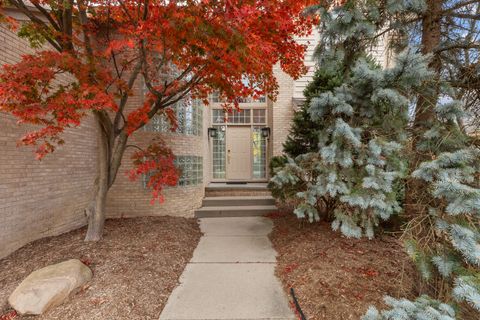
(212, 132)
(266, 132)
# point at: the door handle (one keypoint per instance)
(228, 157)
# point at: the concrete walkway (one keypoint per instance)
(231, 275)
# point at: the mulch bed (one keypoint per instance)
(338, 278)
(136, 266)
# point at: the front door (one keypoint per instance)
(239, 163)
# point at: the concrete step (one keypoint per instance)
(232, 201)
(234, 211)
(231, 190)
(235, 192)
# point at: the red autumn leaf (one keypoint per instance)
(291, 267)
(9, 315)
(369, 272)
(156, 163)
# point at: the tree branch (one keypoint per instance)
(45, 30)
(47, 15)
(454, 46)
(123, 100)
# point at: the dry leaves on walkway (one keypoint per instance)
(337, 278)
(135, 266)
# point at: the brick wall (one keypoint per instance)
(282, 110)
(40, 198)
(130, 199)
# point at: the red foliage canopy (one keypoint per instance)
(100, 48)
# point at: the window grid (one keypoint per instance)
(218, 116)
(259, 154)
(259, 116)
(219, 164)
(191, 170)
(239, 116)
(215, 98)
(189, 115)
(244, 116)
(252, 100)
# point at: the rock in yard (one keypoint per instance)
(48, 287)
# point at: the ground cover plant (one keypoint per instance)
(136, 267)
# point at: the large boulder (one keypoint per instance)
(48, 287)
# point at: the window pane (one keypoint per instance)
(219, 154)
(218, 116)
(191, 168)
(215, 97)
(189, 115)
(241, 116)
(252, 100)
(259, 116)
(259, 154)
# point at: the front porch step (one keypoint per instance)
(210, 193)
(231, 201)
(231, 190)
(234, 211)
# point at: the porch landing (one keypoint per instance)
(231, 275)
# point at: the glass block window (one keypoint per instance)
(239, 116)
(190, 117)
(145, 179)
(189, 114)
(262, 99)
(219, 154)
(191, 170)
(218, 116)
(158, 123)
(259, 154)
(259, 116)
(215, 98)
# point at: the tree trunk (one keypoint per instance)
(416, 197)
(96, 211)
(96, 216)
(111, 148)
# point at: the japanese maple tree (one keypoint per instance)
(92, 54)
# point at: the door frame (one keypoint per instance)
(250, 125)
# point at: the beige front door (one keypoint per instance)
(239, 153)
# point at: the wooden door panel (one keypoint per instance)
(239, 153)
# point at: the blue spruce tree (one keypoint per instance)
(361, 154)
(360, 142)
(443, 230)
(444, 240)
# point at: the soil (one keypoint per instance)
(337, 278)
(136, 266)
